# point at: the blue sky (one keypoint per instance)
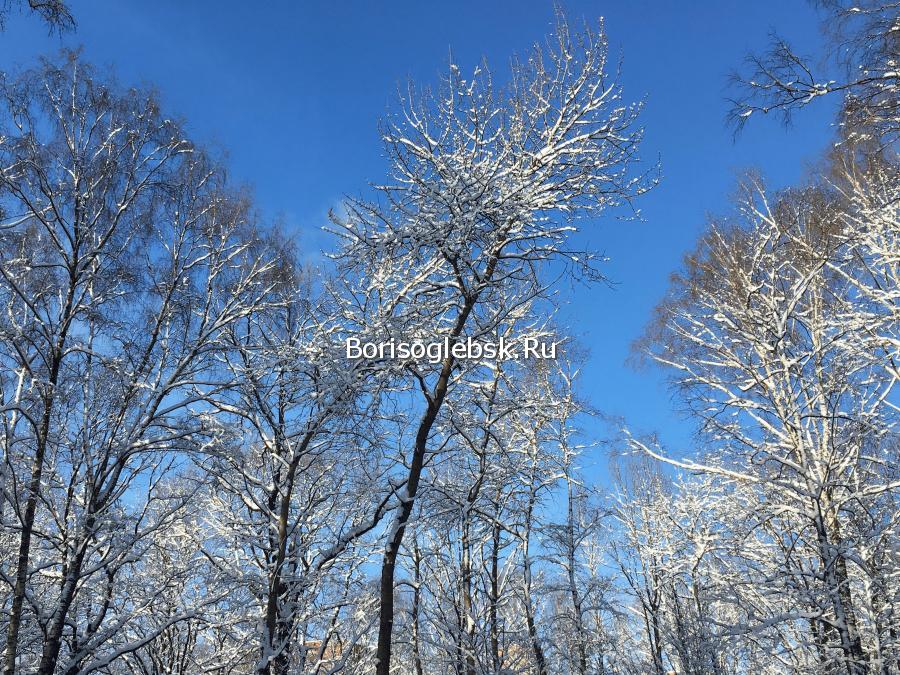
(293, 92)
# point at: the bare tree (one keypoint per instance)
(55, 13)
(775, 360)
(863, 48)
(125, 255)
(463, 234)
(296, 485)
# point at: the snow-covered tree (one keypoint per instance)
(485, 184)
(124, 257)
(772, 352)
(294, 476)
(861, 69)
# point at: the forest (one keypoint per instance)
(194, 478)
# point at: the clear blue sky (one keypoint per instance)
(293, 92)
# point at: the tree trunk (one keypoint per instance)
(392, 547)
(495, 598)
(578, 622)
(838, 587)
(53, 639)
(277, 634)
(407, 498)
(540, 659)
(22, 561)
(34, 484)
(468, 633)
(15, 612)
(417, 593)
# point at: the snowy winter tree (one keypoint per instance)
(197, 477)
(770, 349)
(294, 476)
(124, 257)
(55, 13)
(485, 185)
(863, 52)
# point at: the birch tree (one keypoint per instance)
(861, 70)
(295, 477)
(770, 352)
(125, 255)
